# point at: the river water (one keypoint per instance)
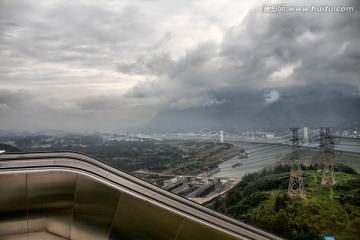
(261, 155)
(264, 155)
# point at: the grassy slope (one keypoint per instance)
(8, 148)
(262, 201)
(351, 160)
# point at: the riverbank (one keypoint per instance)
(226, 188)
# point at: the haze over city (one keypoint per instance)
(103, 65)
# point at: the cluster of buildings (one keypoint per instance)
(127, 138)
(194, 187)
(348, 133)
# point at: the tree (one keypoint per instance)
(281, 223)
(281, 201)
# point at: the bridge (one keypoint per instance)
(67, 195)
(220, 135)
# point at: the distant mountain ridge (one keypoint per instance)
(334, 105)
(43, 132)
(311, 110)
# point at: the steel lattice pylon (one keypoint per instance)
(296, 184)
(327, 156)
(322, 147)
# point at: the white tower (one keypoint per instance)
(306, 136)
(222, 136)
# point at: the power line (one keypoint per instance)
(212, 135)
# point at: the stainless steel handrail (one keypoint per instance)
(83, 164)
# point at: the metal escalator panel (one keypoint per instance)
(13, 204)
(72, 196)
(140, 219)
(51, 202)
(193, 230)
(94, 209)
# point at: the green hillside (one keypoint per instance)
(261, 199)
(8, 148)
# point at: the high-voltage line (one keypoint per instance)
(268, 147)
(251, 162)
(275, 148)
(212, 135)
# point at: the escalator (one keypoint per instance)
(67, 195)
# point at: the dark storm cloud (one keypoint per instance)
(14, 99)
(265, 50)
(81, 34)
(179, 83)
(92, 59)
(349, 59)
(194, 60)
(311, 44)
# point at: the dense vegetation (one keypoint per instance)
(127, 156)
(261, 199)
(178, 158)
(130, 156)
(199, 157)
(8, 148)
(170, 157)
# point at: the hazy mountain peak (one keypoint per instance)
(331, 104)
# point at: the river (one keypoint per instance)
(261, 155)
(264, 155)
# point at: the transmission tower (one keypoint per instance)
(322, 149)
(296, 184)
(327, 156)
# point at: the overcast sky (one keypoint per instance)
(98, 65)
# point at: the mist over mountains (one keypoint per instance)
(334, 105)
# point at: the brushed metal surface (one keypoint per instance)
(23, 236)
(32, 236)
(138, 219)
(13, 204)
(68, 195)
(51, 201)
(195, 230)
(43, 236)
(94, 210)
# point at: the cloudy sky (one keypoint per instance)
(96, 65)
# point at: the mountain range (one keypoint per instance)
(331, 105)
